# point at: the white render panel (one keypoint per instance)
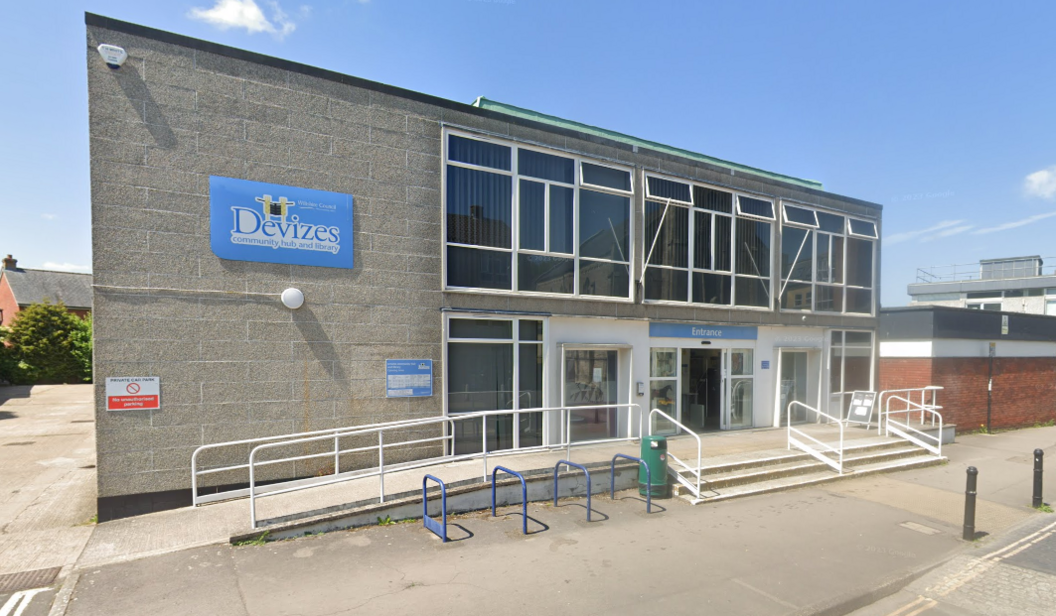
(906, 348)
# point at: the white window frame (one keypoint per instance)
(515, 320)
(691, 269)
(814, 282)
(515, 248)
(851, 233)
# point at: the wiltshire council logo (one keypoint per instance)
(255, 221)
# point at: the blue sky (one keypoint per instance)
(944, 112)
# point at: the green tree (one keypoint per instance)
(51, 344)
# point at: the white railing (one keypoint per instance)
(908, 432)
(695, 470)
(908, 393)
(255, 491)
(818, 453)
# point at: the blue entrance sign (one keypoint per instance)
(688, 330)
(408, 378)
(271, 223)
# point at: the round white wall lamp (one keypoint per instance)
(292, 298)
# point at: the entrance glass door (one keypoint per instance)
(793, 385)
(740, 387)
(591, 381)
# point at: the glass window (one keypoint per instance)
(481, 153)
(712, 288)
(702, 258)
(800, 216)
(859, 262)
(530, 394)
(604, 221)
(667, 189)
(752, 292)
(483, 269)
(828, 299)
(797, 296)
(753, 247)
(531, 330)
(608, 177)
(723, 244)
(480, 377)
(711, 199)
(546, 166)
(478, 207)
(545, 274)
(830, 222)
(755, 207)
(859, 300)
(533, 215)
(591, 382)
(851, 368)
(557, 223)
(561, 207)
(480, 328)
(669, 242)
(666, 284)
(663, 363)
(862, 228)
(796, 250)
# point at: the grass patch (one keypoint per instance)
(261, 540)
(1045, 508)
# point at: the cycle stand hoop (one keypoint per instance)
(524, 494)
(439, 528)
(585, 472)
(648, 479)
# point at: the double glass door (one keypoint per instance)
(704, 389)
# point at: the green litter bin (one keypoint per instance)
(654, 452)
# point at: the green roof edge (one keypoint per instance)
(520, 112)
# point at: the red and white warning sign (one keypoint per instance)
(133, 393)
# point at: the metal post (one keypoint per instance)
(484, 442)
(337, 456)
(381, 466)
(969, 505)
(990, 386)
(1039, 463)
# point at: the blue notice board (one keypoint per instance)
(272, 223)
(408, 378)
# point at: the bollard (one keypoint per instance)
(1039, 464)
(969, 505)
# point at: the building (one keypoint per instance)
(20, 287)
(1004, 360)
(519, 260)
(1016, 284)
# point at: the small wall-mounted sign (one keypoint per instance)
(766, 364)
(1004, 325)
(133, 393)
(688, 330)
(408, 378)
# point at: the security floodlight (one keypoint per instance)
(292, 298)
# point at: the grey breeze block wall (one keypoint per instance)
(236, 364)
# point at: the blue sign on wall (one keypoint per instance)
(688, 330)
(408, 378)
(271, 223)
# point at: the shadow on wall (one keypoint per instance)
(134, 88)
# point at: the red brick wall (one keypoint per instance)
(1024, 388)
(7, 303)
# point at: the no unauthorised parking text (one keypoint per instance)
(133, 393)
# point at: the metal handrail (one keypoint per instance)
(934, 389)
(700, 449)
(255, 491)
(937, 449)
(838, 465)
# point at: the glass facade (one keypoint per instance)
(826, 265)
(527, 221)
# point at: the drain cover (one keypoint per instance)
(23, 580)
(19, 443)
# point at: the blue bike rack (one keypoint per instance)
(524, 493)
(648, 479)
(439, 528)
(585, 472)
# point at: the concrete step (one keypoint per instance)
(798, 466)
(921, 459)
(782, 457)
